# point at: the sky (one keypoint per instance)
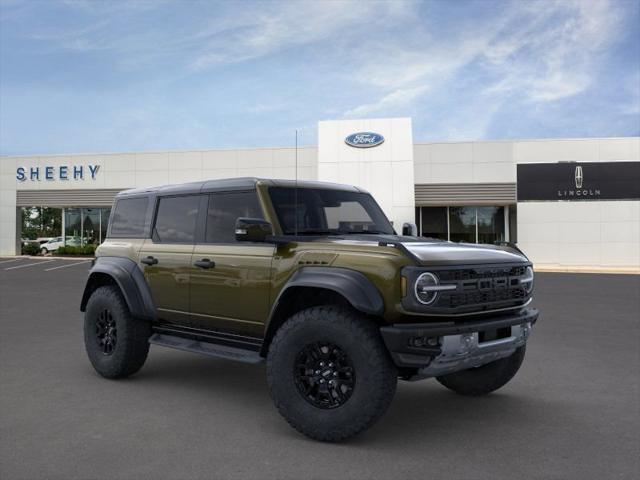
(83, 76)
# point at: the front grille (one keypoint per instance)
(482, 287)
(476, 298)
(474, 274)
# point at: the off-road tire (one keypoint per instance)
(375, 374)
(485, 379)
(132, 341)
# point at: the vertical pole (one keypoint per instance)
(507, 234)
(448, 226)
(295, 194)
(81, 226)
(64, 227)
(476, 209)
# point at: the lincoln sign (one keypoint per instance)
(575, 181)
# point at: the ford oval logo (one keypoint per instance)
(364, 139)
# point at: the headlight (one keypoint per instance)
(427, 287)
(527, 280)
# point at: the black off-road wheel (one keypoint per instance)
(485, 379)
(116, 343)
(329, 373)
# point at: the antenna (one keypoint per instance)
(295, 192)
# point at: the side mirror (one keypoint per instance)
(409, 229)
(252, 229)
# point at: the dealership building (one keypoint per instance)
(567, 203)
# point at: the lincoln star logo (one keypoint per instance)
(580, 191)
(364, 139)
(579, 177)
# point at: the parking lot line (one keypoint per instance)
(30, 264)
(65, 266)
(8, 261)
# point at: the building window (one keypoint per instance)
(434, 222)
(464, 224)
(490, 224)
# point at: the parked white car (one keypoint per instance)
(57, 242)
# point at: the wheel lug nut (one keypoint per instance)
(335, 374)
(322, 364)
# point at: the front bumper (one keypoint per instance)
(434, 349)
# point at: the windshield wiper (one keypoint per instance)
(365, 232)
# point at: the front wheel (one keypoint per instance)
(44, 251)
(486, 378)
(329, 373)
(117, 344)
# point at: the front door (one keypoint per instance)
(230, 289)
(166, 258)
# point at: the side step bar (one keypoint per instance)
(206, 348)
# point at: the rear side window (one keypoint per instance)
(128, 217)
(176, 219)
(224, 210)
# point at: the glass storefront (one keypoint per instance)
(464, 224)
(85, 226)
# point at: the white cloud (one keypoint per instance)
(398, 98)
(538, 51)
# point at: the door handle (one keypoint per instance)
(205, 263)
(149, 260)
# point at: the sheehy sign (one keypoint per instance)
(576, 181)
(60, 172)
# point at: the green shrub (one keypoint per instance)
(70, 250)
(31, 249)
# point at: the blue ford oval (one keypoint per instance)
(364, 139)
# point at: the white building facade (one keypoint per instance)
(568, 203)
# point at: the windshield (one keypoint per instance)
(326, 211)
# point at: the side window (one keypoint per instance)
(128, 217)
(176, 219)
(224, 210)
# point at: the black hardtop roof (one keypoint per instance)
(226, 184)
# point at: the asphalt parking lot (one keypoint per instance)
(573, 410)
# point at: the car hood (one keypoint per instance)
(448, 253)
(437, 252)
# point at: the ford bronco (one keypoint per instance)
(312, 279)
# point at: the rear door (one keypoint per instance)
(231, 291)
(166, 257)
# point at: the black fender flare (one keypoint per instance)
(356, 288)
(129, 278)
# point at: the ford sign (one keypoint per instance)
(364, 139)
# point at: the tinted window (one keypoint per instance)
(176, 219)
(224, 210)
(327, 211)
(434, 222)
(128, 217)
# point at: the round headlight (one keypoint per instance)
(527, 280)
(424, 291)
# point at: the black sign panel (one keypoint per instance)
(577, 181)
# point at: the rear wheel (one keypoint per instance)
(116, 343)
(329, 373)
(484, 379)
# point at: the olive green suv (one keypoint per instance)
(311, 278)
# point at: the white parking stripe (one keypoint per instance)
(65, 266)
(9, 261)
(30, 264)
